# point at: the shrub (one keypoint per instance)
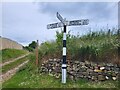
(94, 46)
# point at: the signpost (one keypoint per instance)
(64, 24)
(68, 23)
(54, 25)
(79, 22)
(60, 18)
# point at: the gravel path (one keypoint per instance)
(5, 63)
(11, 72)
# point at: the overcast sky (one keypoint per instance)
(27, 21)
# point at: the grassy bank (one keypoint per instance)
(98, 46)
(8, 54)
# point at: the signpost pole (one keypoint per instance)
(64, 57)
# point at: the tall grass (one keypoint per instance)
(98, 46)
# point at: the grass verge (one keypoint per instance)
(8, 54)
(25, 80)
(28, 77)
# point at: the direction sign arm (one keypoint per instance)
(60, 18)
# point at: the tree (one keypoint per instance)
(33, 44)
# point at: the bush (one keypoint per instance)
(94, 46)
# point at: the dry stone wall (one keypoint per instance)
(77, 69)
(7, 43)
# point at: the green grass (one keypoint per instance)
(0, 55)
(13, 64)
(8, 54)
(26, 80)
(28, 77)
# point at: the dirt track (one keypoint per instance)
(5, 63)
(10, 73)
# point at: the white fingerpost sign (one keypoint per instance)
(65, 23)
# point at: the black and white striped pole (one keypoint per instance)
(64, 57)
(64, 24)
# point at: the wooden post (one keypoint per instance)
(37, 53)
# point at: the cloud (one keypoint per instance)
(99, 11)
(0, 19)
(23, 23)
(26, 21)
(100, 14)
(119, 15)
